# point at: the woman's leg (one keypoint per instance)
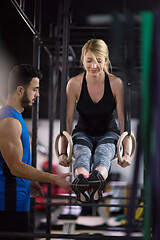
(104, 154)
(105, 151)
(82, 152)
(82, 155)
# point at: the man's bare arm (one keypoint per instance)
(12, 152)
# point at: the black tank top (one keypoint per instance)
(95, 119)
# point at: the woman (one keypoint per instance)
(97, 94)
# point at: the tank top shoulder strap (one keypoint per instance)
(84, 83)
(106, 83)
(106, 78)
(108, 89)
(83, 87)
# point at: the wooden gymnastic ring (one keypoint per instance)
(119, 144)
(70, 142)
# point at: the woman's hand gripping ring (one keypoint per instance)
(70, 144)
(119, 145)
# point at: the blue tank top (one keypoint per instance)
(15, 191)
(96, 119)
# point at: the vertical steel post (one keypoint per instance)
(57, 47)
(53, 78)
(36, 63)
(35, 108)
(51, 119)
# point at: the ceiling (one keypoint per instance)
(88, 19)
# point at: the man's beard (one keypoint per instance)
(25, 102)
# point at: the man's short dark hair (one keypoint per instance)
(21, 75)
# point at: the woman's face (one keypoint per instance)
(93, 63)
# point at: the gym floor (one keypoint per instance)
(111, 226)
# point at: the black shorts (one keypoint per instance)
(14, 222)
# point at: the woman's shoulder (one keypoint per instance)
(116, 84)
(76, 80)
(114, 79)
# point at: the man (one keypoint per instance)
(15, 161)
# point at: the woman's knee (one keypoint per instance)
(81, 151)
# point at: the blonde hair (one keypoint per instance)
(97, 46)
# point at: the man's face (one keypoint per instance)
(30, 93)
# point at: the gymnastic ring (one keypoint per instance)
(119, 144)
(70, 142)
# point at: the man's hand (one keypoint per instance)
(35, 189)
(63, 161)
(126, 161)
(61, 180)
